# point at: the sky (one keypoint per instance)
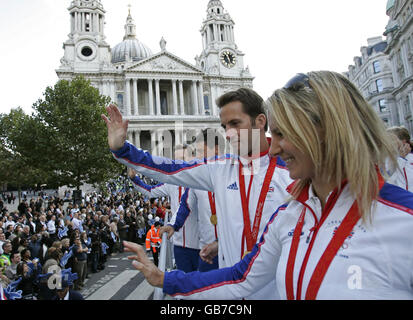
(278, 38)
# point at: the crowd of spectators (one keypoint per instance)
(45, 233)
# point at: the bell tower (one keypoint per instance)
(220, 53)
(86, 49)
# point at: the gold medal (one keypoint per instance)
(245, 254)
(214, 219)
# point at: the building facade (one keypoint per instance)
(399, 33)
(165, 98)
(372, 75)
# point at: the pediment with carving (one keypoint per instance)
(164, 63)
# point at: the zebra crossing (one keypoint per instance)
(119, 281)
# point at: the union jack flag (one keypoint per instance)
(62, 232)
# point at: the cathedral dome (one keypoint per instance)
(132, 48)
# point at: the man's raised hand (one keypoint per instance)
(117, 127)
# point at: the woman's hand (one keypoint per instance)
(142, 263)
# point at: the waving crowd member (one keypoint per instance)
(345, 231)
(247, 186)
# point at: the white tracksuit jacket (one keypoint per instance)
(403, 176)
(208, 233)
(219, 175)
(374, 262)
(188, 235)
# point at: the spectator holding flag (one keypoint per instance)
(28, 277)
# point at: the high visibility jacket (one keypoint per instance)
(153, 239)
(374, 262)
(186, 235)
(5, 260)
(221, 176)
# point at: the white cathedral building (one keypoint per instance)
(160, 93)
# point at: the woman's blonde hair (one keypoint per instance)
(327, 117)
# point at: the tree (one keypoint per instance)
(17, 133)
(71, 139)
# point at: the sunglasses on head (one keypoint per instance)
(299, 81)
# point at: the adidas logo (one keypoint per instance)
(233, 186)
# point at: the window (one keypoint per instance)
(379, 85)
(206, 104)
(376, 66)
(386, 122)
(164, 103)
(120, 101)
(211, 29)
(383, 105)
(87, 51)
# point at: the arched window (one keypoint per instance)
(120, 101)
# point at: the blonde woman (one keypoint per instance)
(345, 233)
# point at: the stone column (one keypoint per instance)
(127, 97)
(153, 141)
(215, 32)
(213, 107)
(158, 98)
(201, 97)
(404, 50)
(174, 97)
(195, 98)
(137, 141)
(113, 90)
(181, 97)
(150, 93)
(135, 96)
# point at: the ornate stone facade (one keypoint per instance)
(399, 32)
(372, 75)
(160, 94)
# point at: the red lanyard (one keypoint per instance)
(323, 264)
(212, 205)
(252, 235)
(405, 177)
(180, 195)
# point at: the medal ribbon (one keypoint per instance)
(211, 198)
(323, 264)
(252, 235)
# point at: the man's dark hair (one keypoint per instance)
(252, 103)
(13, 254)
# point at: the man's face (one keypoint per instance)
(238, 127)
(62, 293)
(7, 248)
(16, 259)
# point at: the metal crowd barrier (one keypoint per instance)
(165, 259)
